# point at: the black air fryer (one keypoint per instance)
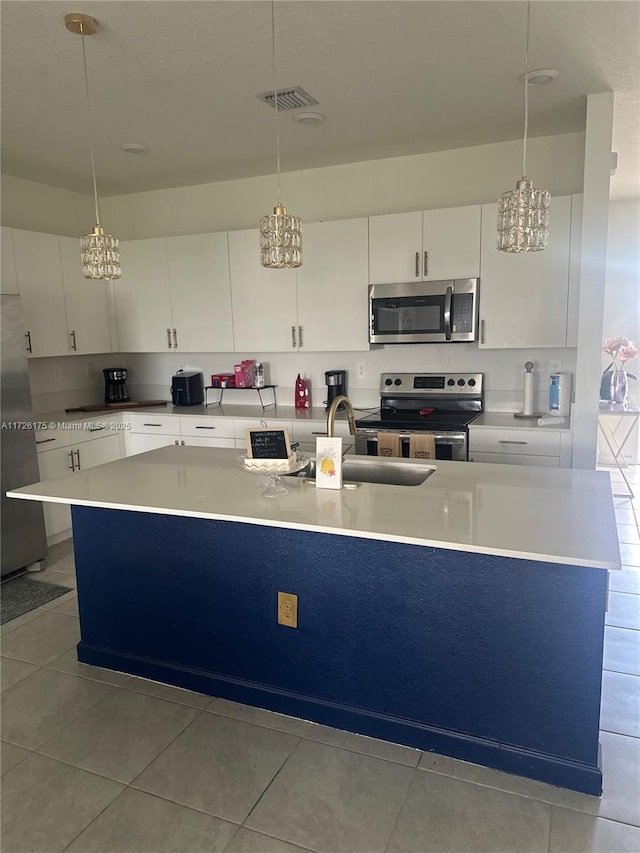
(187, 388)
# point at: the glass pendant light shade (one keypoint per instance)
(280, 240)
(523, 218)
(523, 213)
(280, 233)
(100, 254)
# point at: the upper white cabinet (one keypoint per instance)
(143, 303)
(86, 303)
(265, 315)
(39, 274)
(425, 245)
(200, 292)
(524, 298)
(174, 295)
(322, 306)
(332, 287)
(9, 282)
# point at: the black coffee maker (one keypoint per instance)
(115, 385)
(336, 385)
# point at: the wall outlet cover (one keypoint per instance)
(288, 609)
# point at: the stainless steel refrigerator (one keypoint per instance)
(22, 522)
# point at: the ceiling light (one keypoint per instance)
(309, 118)
(540, 76)
(523, 213)
(100, 252)
(134, 148)
(280, 233)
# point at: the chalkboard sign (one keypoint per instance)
(268, 443)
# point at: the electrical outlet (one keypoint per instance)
(56, 374)
(91, 369)
(288, 609)
(361, 370)
(555, 366)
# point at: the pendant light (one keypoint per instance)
(100, 252)
(523, 213)
(280, 233)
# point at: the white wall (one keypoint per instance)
(442, 179)
(38, 207)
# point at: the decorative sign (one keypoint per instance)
(268, 443)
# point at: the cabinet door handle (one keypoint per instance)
(426, 264)
(417, 264)
(77, 452)
(28, 337)
(300, 341)
(183, 443)
(45, 440)
(318, 433)
(176, 441)
(293, 337)
(481, 331)
(506, 441)
(175, 339)
(96, 429)
(74, 346)
(205, 427)
(70, 455)
(169, 338)
(152, 425)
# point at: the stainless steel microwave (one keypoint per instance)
(425, 312)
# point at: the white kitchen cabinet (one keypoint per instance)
(65, 461)
(524, 298)
(141, 442)
(332, 287)
(208, 431)
(200, 293)
(520, 446)
(265, 314)
(149, 431)
(39, 275)
(428, 245)
(86, 303)
(143, 301)
(9, 280)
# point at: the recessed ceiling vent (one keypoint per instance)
(291, 98)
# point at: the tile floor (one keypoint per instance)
(99, 761)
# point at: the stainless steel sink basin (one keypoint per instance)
(391, 472)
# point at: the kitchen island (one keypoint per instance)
(463, 616)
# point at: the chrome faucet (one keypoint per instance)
(331, 414)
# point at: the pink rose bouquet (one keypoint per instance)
(621, 350)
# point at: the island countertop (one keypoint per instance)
(549, 515)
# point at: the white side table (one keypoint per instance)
(616, 439)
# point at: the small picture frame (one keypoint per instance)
(267, 443)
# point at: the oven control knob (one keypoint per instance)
(451, 381)
(472, 382)
(461, 382)
(388, 382)
(398, 382)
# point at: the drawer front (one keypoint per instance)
(529, 442)
(203, 441)
(49, 439)
(310, 430)
(99, 427)
(515, 459)
(162, 424)
(213, 427)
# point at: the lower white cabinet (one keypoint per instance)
(66, 461)
(538, 447)
(141, 442)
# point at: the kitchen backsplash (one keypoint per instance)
(150, 374)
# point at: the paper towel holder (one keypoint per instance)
(528, 395)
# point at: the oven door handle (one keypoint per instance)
(447, 313)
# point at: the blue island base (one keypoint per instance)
(492, 660)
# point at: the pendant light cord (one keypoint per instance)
(93, 159)
(275, 95)
(526, 94)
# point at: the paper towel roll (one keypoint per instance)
(527, 407)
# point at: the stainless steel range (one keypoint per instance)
(440, 404)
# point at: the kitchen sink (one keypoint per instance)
(391, 472)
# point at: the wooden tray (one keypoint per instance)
(106, 407)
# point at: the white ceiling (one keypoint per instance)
(392, 77)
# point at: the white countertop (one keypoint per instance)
(280, 413)
(504, 420)
(543, 514)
